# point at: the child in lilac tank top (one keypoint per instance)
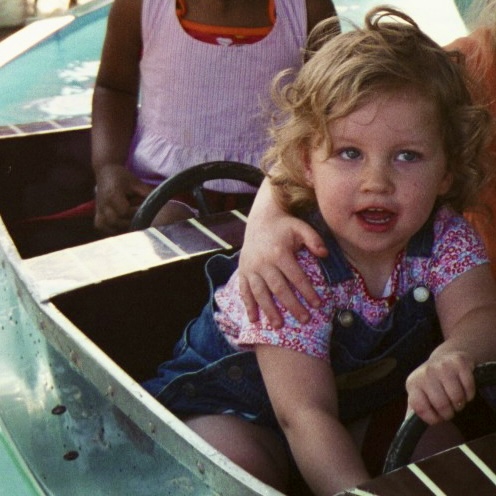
(379, 146)
(199, 102)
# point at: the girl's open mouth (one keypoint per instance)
(379, 218)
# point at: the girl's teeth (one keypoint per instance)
(376, 216)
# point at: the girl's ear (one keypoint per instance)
(445, 183)
(307, 168)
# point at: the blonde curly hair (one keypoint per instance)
(343, 72)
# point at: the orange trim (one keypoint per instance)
(180, 9)
(272, 12)
(225, 30)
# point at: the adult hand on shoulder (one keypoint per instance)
(268, 266)
(118, 195)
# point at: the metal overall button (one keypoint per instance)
(421, 294)
(345, 318)
(189, 390)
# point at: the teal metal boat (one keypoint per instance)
(79, 327)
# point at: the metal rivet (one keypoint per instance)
(235, 373)
(59, 409)
(75, 358)
(71, 455)
(189, 390)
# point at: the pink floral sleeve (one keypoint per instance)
(457, 249)
(311, 338)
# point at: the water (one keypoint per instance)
(13, 13)
(55, 80)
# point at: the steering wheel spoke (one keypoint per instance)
(201, 201)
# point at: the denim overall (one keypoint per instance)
(371, 363)
(208, 376)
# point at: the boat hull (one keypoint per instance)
(79, 422)
(82, 324)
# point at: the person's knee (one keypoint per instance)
(266, 458)
(258, 450)
(173, 211)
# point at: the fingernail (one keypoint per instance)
(304, 318)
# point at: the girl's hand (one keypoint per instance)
(442, 386)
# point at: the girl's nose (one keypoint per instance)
(376, 178)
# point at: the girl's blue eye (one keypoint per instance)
(408, 156)
(350, 153)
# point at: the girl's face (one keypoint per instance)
(385, 172)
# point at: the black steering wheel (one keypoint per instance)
(411, 430)
(192, 179)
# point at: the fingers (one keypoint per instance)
(108, 222)
(113, 214)
(308, 237)
(257, 289)
(263, 298)
(248, 299)
(268, 269)
(278, 276)
(119, 194)
(141, 190)
(433, 406)
(436, 391)
(258, 293)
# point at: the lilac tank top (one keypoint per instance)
(203, 102)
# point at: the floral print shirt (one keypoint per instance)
(456, 249)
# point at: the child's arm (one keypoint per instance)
(303, 394)
(114, 114)
(268, 264)
(467, 313)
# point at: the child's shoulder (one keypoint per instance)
(454, 233)
(311, 266)
(447, 220)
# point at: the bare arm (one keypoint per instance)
(268, 264)
(467, 313)
(304, 398)
(318, 10)
(114, 115)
